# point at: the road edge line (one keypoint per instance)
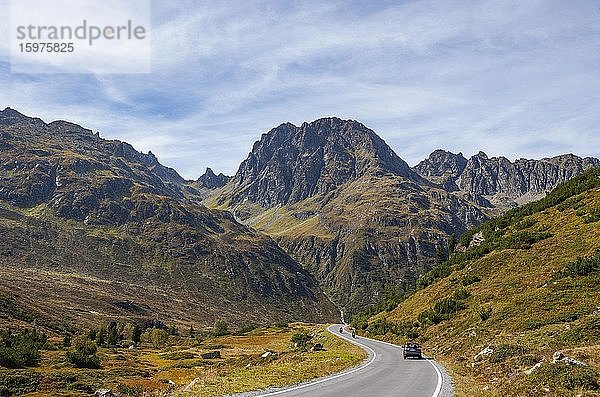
(334, 376)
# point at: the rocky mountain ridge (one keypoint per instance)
(504, 183)
(120, 227)
(291, 163)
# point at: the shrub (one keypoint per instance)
(502, 352)
(281, 324)
(84, 355)
(567, 376)
(21, 350)
(470, 279)
(155, 336)
(444, 308)
(16, 382)
(300, 339)
(220, 328)
(485, 313)
(580, 267)
(134, 391)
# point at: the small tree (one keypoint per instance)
(136, 333)
(300, 340)
(112, 334)
(85, 353)
(440, 255)
(101, 335)
(220, 328)
(451, 244)
(67, 341)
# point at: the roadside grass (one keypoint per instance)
(147, 371)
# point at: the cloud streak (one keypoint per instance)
(509, 77)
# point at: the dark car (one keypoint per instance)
(411, 349)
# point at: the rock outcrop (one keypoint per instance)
(210, 180)
(503, 183)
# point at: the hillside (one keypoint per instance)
(92, 230)
(527, 286)
(338, 199)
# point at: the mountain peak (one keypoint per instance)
(291, 163)
(210, 180)
(442, 167)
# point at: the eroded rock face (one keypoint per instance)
(292, 163)
(210, 180)
(504, 183)
(442, 167)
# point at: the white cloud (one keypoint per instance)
(509, 77)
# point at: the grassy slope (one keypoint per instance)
(240, 368)
(532, 315)
(369, 236)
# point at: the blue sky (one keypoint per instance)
(513, 78)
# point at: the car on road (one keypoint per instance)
(411, 349)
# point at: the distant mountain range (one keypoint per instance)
(99, 230)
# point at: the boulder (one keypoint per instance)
(212, 354)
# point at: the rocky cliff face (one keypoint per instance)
(290, 163)
(502, 182)
(99, 210)
(210, 180)
(442, 167)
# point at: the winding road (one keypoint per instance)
(384, 374)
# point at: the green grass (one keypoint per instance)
(147, 369)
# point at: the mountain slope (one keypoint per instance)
(92, 229)
(343, 204)
(528, 286)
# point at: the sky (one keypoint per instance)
(512, 78)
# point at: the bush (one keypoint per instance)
(567, 376)
(155, 336)
(502, 352)
(380, 326)
(281, 324)
(300, 340)
(580, 267)
(21, 350)
(470, 279)
(16, 382)
(485, 313)
(220, 328)
(134, 391)
(444, 308)
(84, 355)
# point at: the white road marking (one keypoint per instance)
(373, 357)
(436, 392)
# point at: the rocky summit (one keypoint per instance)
(210, 180)
(290, 163)
(91, 229)
(503, 183)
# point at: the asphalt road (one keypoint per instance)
(385, 374)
